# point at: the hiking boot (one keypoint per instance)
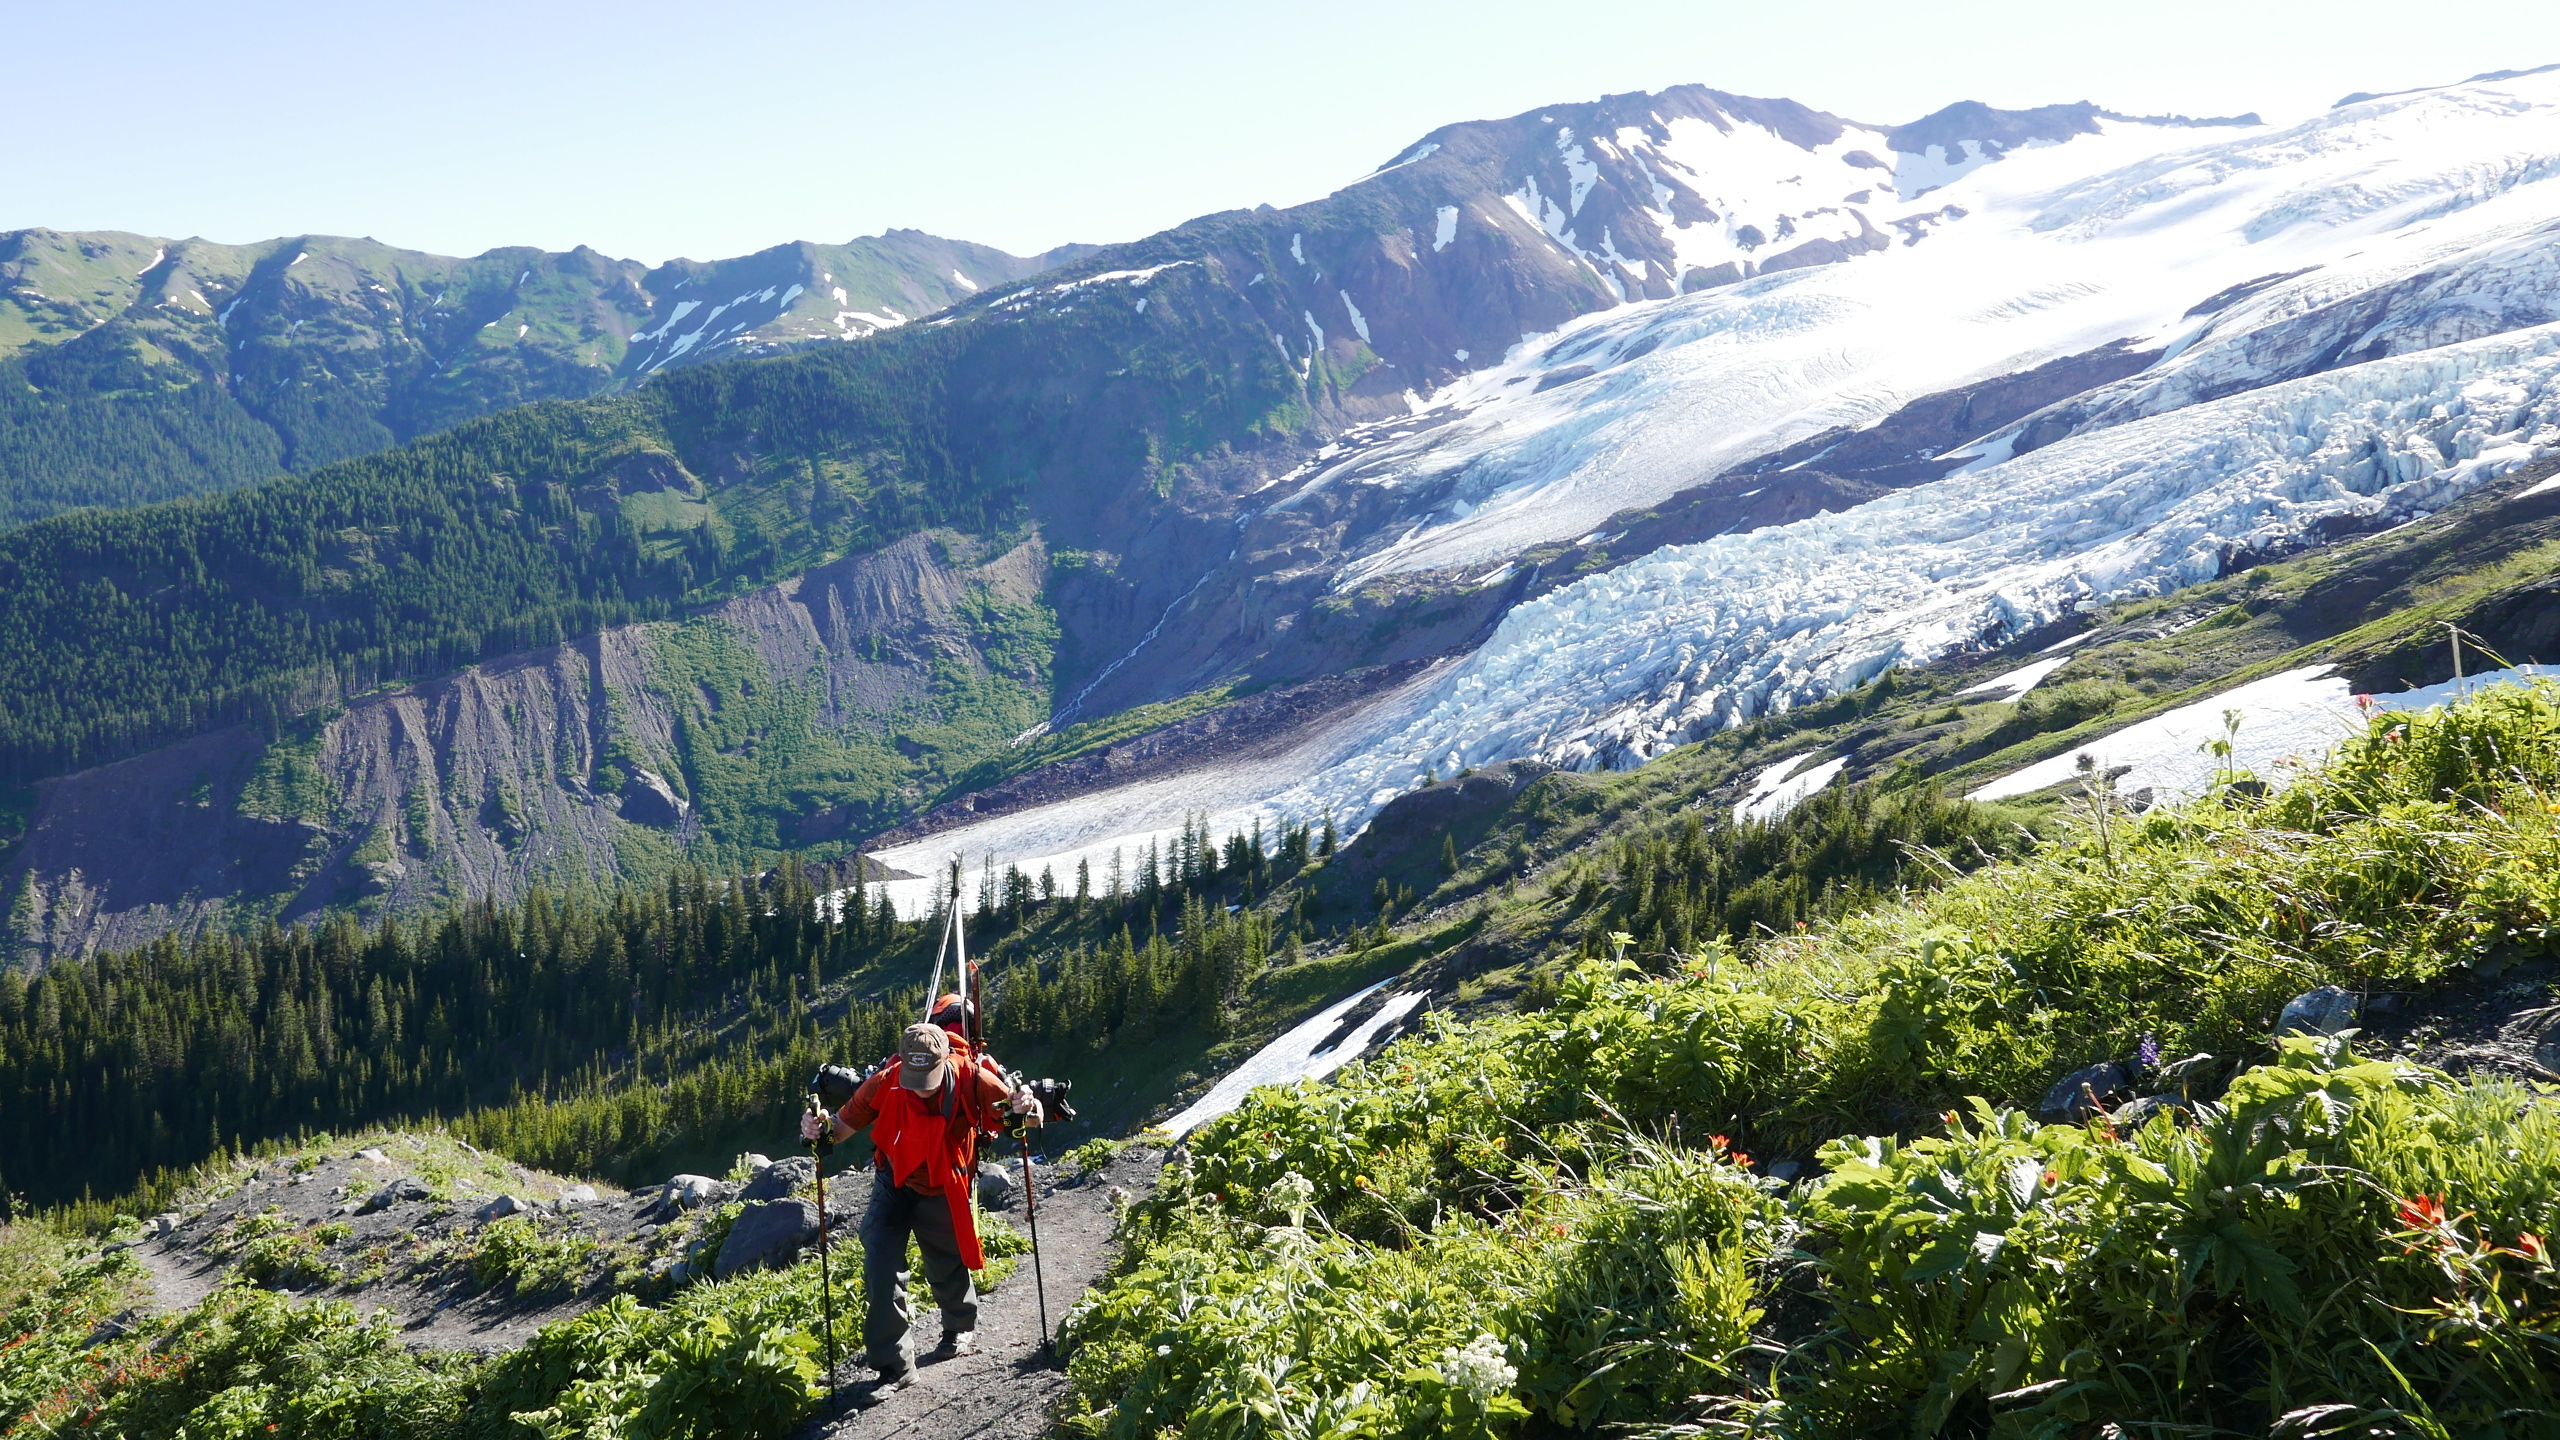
(955, 1343)
(874, 1392)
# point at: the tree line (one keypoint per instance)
(594, 1035)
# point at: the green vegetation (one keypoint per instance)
(139, 1064)
(1553, 1211)
(726, 1359)
(135, 370)
(128, 629)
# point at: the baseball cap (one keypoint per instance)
(924, 1057)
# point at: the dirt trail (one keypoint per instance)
(1008, 1387)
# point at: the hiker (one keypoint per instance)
(925, 1110)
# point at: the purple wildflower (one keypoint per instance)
(2149, 1054)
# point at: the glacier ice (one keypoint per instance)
(2381, 338)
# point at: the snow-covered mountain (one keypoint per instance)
(2294, 331)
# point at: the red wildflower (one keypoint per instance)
(2052, 1177)
(1718, 1142)
(2530, 1246)
(2422, 1212)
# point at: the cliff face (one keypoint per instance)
(790, 717)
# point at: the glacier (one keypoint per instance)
(2357, 318)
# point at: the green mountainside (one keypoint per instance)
(135, 369)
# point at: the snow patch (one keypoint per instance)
(2017, 682)
(1780, 788)
(1294, 1057)
(2285, 723)
(1448, 230)
(1359, 322)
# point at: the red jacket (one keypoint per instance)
(929, 1143)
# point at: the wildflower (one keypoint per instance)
(2149, 1053)
(1293, 1193)
(1164, 1349)
(1718, 1142)
(1480, 1370)
(2422, 1212)
(2052, 1178)
(2530, 1246)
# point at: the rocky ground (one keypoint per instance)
(1009, 1386)
(469, 1251)
(403, 1223)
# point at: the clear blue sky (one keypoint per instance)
(650, 130)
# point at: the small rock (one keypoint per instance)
(2137, 1113)
(2080, 1094)
(779, 1178)
(467, 1150)
(765, 1234)
(164, 1223)
(687, 1192)
(352, 1207)
(680, 1272)
(499, 1209)
(2186, 1075)
(2324, 1011)
(376, 1156)
(578, 1195)
(755, 1163)
(1783, 1170)
(995, 1189)
(407, 1187)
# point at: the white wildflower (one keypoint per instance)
(1293, 1193)
(1164, 1349)
(1480, 1370)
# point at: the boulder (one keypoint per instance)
(2324, 1011)
(689, 1192)
(578, 1195)
(499, 1209)
(164, 1223)
(780, 1178)
(376, 1156)
(756, 1163)
(765, 1234)
(407, 1187)
(647, 799)
(2079, 1095)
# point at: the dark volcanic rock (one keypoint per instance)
(781, 1178)
(764, 1233)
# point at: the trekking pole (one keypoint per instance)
(1031, 1208)
(818, 1148)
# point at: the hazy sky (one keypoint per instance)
(651, 130)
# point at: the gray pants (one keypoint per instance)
(896, 1214)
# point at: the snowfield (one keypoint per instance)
(2359, 321)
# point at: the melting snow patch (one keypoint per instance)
(1296, 253)
(2017, 682)
(1359, 322)
(963, 281)
(298, 259)
(2287, 721)
(1294, 1057)
(1780, 789)
(1312, 325)
(1448, 230)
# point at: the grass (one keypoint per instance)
(1570, 1196)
